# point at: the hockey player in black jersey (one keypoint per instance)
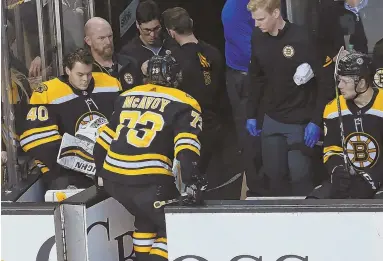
(355, 165)
(152, 124)
(65, 105)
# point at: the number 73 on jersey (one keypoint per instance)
(157, 121)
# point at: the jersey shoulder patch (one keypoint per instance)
(42, 87)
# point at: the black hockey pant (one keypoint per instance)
(149, 239)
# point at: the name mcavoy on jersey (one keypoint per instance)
(145, 102)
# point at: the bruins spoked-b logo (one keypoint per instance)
(362, 150)
(87, 117)
(288, 51)
(128, 78)
(378, 78)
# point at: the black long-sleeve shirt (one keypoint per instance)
(203, 77)
(137, 50)
(274, 61)
(125, 69)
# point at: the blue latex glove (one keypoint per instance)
(251, 126)
(312, 134)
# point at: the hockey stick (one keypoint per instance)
(346, 162)
(158, 204)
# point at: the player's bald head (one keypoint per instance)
(95, 24)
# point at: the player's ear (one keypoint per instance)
(362, 86)
(67, 70)
(87, 40)
(276, 13)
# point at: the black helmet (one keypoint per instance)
(355, 64)
(164, 70)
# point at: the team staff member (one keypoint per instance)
(151, 125)
(99, 38)
(281, 71)
(361, 108)
(203, 78)
(150, 40)
(63, 105)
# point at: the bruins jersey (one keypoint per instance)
(151, 126)
(56, 108)
(363, 130)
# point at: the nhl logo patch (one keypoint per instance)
(42, 87)
(378, 78)
(128, 78)
(288, 51)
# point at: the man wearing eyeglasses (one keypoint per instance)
(150, 40)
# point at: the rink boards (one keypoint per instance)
(92, 226)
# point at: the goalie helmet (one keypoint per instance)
(355, 64)
(164, 70)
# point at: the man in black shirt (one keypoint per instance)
(340, 25)
(149, 42)
(204, 79)
(281, 71)
(99, 38)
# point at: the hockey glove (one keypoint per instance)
(368, 179)
(312, 134)
(193, 192)
(340, 183)
(251, 126)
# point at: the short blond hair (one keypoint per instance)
(268, 5)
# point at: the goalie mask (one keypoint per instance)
(164, 71)
(357, 66)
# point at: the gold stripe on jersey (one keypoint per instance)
(141, 157)
(142, 249)
(143, 235)
(163, 92)
(38, 130)
(134, 165)
(160, 247)
(186, 141)
(142, 242)
(331, 151)
(39, 136)
(44, 169)
(109, 131)
(105, 137)
(57, 91)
